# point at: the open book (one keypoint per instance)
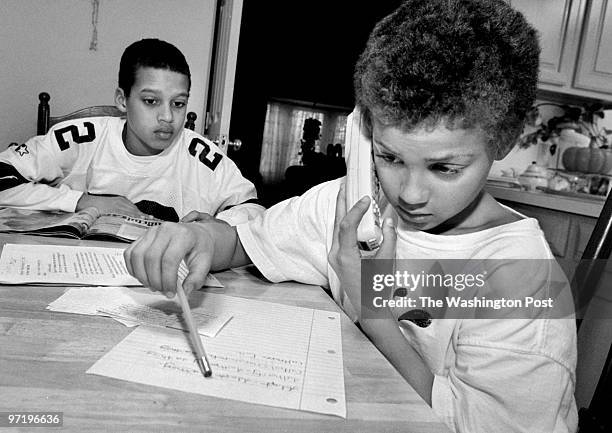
(85, 224)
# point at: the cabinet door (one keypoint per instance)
(594, 69)
(554, 224)
(558, 23)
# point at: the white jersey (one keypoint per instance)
(52, 171)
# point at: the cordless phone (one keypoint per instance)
(361, 180)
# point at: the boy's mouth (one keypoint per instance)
(414, 217)
(163, 133)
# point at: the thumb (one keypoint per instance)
(190, 217)
(387, 248)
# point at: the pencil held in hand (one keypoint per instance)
(192, 329)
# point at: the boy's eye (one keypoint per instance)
(388, 158)
(180, 104)
(150, 101)
(446, 169)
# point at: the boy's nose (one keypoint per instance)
(165, 114)
(414, 192)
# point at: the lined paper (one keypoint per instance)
(268, 354)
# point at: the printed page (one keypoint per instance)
(267, 354)
(133, 308)
(47, 223)
(60, 264)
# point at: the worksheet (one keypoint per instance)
(63, 264)
(267, 354)
(71, 265)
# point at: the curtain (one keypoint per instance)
(283, 133)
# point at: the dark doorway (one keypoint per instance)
(295, 50)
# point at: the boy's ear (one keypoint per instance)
(120, 100)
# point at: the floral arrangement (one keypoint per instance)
(583, 120)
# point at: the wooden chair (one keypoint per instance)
(45, 121)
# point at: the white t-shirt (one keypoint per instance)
(490, 375)
(51, 172)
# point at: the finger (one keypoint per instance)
(175, 252)
(154, 254)
(199, 266)
(347, 231)
(339, 215)
(134, 257)
(190, 217)
(387, 248)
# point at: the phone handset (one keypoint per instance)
(361, 180)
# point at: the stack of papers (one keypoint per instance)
(133, 308)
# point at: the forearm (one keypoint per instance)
(41, 197)
(388, 338)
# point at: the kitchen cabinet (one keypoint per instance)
(574, 37)
(567, 234)
(594, 68)
(567, 222)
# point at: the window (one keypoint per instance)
(283, 135)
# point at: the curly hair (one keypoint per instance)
(152, 53)
(461, 63)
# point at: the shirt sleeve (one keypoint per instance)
(30, 173)
(236, 197)
(290, 240)
(241, 213)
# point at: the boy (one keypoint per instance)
(444, 85)
(145, 164)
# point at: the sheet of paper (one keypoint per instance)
(72, 265)
(61, 264)
(211, 280)
(268, 354)
(87, 300)
(208, 324)
(134, 308)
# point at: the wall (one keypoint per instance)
(45, 47)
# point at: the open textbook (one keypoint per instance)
(85, 224)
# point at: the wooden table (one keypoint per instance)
(44, 356)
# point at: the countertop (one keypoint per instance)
(581, 206)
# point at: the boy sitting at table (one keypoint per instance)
(146, 164)
(445, 86)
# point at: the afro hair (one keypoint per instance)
(461, 63)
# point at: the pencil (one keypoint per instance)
(192, 330)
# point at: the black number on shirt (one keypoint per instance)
(74, 135)
(211, 162)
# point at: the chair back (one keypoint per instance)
(593, 294)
